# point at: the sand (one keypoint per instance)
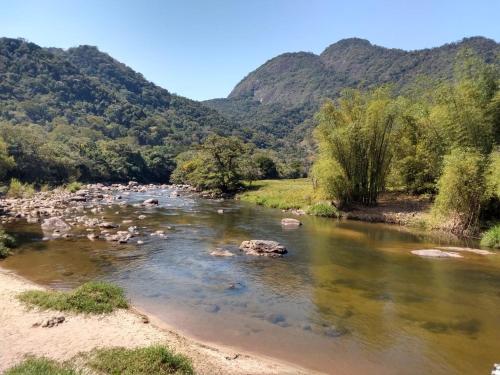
(80, 333)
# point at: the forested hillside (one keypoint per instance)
(287, 90)
(80, 114)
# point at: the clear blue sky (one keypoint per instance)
(202, 48)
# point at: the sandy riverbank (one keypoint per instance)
(125, 328)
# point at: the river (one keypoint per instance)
(348, 298)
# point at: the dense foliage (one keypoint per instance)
(80, 114)
(6, 242)
(438, 138)
(355, 137)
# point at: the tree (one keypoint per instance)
(6, 161)
(355, 134)
(216, 165)
(462, 191)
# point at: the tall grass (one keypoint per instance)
(19, 190)
(73, 187)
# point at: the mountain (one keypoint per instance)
(85, 87)
(280, 95)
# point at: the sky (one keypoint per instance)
(202, 48)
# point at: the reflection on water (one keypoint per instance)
(348, 298)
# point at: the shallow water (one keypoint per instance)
(348, 298)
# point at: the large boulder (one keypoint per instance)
(290, 223)
(55, 224)
(263, 248)
(150, 202)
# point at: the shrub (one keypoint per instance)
(462, 190)
(73, 187)
(143, 361)
(39, 366)
(6, 242)
(19, 190)
(491, 238)
(323, 209)
(95, 297)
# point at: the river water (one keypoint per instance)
(348, 298)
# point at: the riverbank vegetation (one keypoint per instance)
(156, 359)
(95, 297)
(439, 138)
(6, 243)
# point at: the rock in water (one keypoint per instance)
(221, 253)
(436, 253)
(150, 202)
(290, 223)
(263, 248)
(55, 223)
(107, 225)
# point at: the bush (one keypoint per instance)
(19, 190)
(462, 191)
(324, 210)
(73, 187)
(39, 366)
(491, 238)
(143, 361)
(95, 297)
(6, 242)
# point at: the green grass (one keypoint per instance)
(156, 359)
(283, 194)
(324, 210)
(95, 297)
(143, 361)
(491, 238)
(73, 187)
(40, 366)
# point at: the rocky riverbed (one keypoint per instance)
(63, 214)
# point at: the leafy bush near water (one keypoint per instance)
(6, 242)
(491, 238)
(324, 210)
(95, 297)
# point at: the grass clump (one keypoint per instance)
(155, 359)
(40, 366)
(491, 238)
(19, 190)
(95, 297)
(73, 187)
(6, 242)
(323, 209)
(282, 194)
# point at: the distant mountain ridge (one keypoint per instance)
(88, 88)
(285, 91)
